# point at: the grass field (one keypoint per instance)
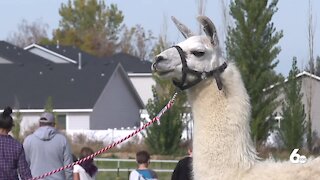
(125, 176)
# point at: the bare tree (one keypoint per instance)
(126, 40)
(162, 41)
(144, 41)
(138, 42)
(201, 11)
(311, 68)
(311, 33)
(29, 33)
(226, 21)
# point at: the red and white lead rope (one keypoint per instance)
(157, 118)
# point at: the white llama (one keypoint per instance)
(222, 147)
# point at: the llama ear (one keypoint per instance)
(209, 28)
(182, 28)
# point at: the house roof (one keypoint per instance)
(17, 55)
(28, 80)
(30, 86)
(131, 64)
(69, 54)
(305, 73)
(45, 49)
(302, 74)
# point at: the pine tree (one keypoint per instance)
(16, 128)
(251, 43)
(293, 125)
(48, 107)
(166, 137)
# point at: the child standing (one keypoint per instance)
(86, 170)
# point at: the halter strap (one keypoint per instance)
(199, 75)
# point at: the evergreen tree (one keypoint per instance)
(293, 125)
(48, 107)
(90, 25)
(16, 128)
(251, 43)
(166, 137)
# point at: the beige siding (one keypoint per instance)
(311, 93)
(311, 98)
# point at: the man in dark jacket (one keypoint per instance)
(183, 170)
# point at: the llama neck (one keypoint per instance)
(221, 125)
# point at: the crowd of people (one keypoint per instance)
(41, 152)
(46, 150)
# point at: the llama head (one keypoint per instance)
(192, 59)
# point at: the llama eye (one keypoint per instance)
(197, 53)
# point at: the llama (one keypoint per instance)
(222, 147)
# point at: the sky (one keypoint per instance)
(154, 15)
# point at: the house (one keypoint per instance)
(310, 88)
(96, 96)
(139, 72)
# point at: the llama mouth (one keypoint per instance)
(163, 73)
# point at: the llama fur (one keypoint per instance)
(222, 146)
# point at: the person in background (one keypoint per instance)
(143, 172)
(86, 170)
(183, 170)
(74, 158)
(12, 156)
(46, 150)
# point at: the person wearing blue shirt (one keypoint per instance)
(143, 172)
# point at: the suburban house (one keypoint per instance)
(88, 93)
(139, 72)
(310, 88)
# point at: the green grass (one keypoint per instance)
(125, 176)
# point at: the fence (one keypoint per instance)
(121, 168)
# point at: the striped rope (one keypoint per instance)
(157, 118)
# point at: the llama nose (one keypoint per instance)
(156, 61)
(154, 67)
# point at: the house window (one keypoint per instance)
(61, 122)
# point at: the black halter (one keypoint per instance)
(200, 75)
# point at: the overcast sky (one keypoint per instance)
(292, 18)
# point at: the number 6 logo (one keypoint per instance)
(297, 158)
